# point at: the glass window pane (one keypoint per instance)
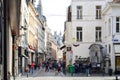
(99, 34)
(117, 27)
(80, 36)
(117, 18)
(77, 36)
(79, 28)
(77, 14)
(79, 7)
(96, 35)
(98, 12)
(117, 63)
(98, 7)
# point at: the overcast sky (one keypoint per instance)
(55, 12)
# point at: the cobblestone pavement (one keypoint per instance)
(65, 78)
(42, 75)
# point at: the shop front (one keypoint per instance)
(32, 54)
(22, 59)
(117, 58)
(117, 64)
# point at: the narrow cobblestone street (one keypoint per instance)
(42, 75)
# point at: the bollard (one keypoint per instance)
(116, 78)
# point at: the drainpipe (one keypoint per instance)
(5, 17)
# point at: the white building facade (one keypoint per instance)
(112, 33)
(86, 32)
(48, 44)
(83, 26)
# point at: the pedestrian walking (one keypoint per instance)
(32, 66)
(59, 67)
(88, 66)
(46, 66)
(72, 69)
(80, 67)
(29, 67)
(50, 66)
(43, 64)
(64, 67)
(39, 65)
(27, 70)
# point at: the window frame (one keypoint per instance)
(118, 26)
(79, 12)
(79, 33)
(98, 34)
(98, 12)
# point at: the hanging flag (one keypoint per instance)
(76, 45)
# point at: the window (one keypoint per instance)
(79, 12)
(109, 48)
(98, 34)
(79, 33)
(117, 48)
(98, 12)
(117, 24)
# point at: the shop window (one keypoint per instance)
(117, 63)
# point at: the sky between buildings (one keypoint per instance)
(55, 12)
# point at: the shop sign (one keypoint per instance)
(115, 40)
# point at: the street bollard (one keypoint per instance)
(116, 78)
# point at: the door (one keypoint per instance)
(117, 64)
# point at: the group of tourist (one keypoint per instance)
(54, 65)
(31, 67)
(60, 66)
(78, 67)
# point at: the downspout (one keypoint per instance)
(5, 3)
